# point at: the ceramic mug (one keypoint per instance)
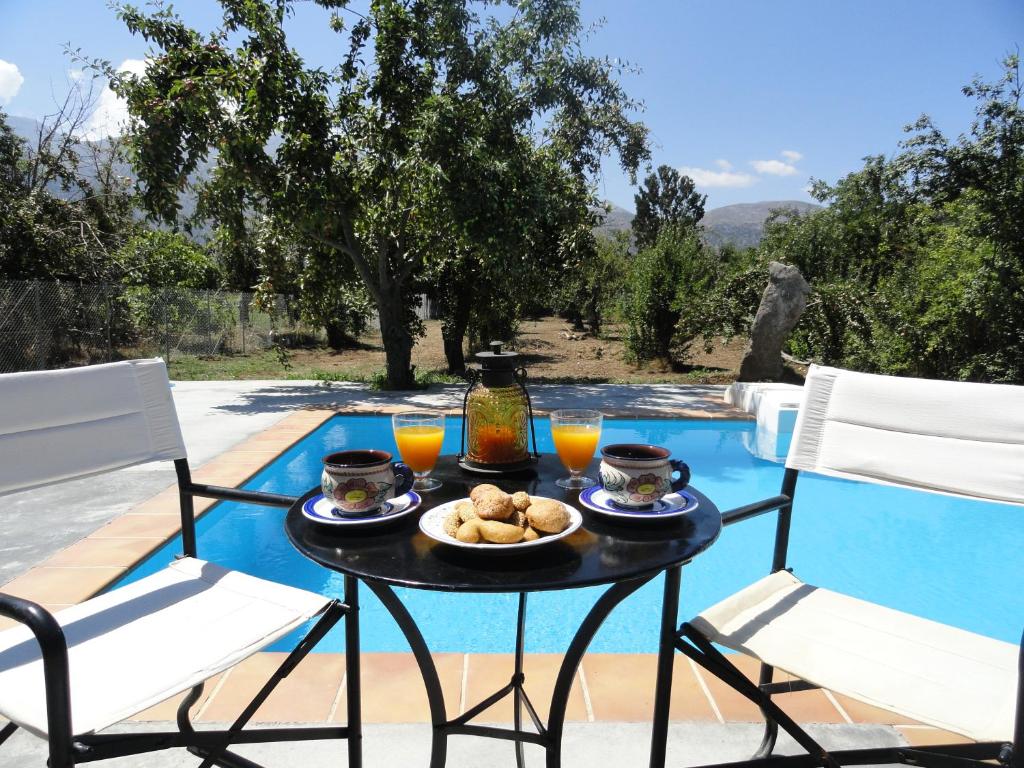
(359, 482)
(635, 475)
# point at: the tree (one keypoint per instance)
(421, 132)
(666, 197)
(665, 280)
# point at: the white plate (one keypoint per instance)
(668, 506)
(432, 524)
(320, 510)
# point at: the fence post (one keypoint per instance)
(167, 330)
(110, 321)
(40, 358)
(209, 325)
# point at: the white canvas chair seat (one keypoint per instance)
(140, 644)
(930, 672)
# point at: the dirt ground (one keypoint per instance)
(552, 353)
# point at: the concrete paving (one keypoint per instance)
(585, 745)
(216, 415)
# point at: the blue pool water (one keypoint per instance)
(952, 560)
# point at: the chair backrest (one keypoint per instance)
(61, 425)
(948, 437)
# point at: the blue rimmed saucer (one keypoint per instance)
(320, 510)
(668, 506)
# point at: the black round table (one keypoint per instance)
(624, 555)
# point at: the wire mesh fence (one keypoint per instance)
(52, 324)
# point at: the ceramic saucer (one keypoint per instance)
(670, 505)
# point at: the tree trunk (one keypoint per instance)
(453, 333)
(397, 341)
(337, 339)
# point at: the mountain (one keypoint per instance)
(615, 220)
(740, 225)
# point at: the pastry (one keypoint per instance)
(530, 535)
(499, 533)
(521, 501)
(468, 532)
(452, 523)
(548, 516)
(494, 505)
(482, 490)
(465, 511)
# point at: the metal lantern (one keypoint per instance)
(496, 413)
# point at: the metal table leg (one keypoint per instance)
(574, 655)
(353, 687)
(549, 737)
(435, 696)
(666, 655)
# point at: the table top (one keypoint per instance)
(602, 551)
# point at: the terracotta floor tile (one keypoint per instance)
(168, 709)
(865, 713)
(133, 526)
(306, 695)
(393, 692)
(925, 736)
(111, 552)
(804, 706)
(226, 475)
(65, 586)
(166, 502)
(490, 671)
(621, 687)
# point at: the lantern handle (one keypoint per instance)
(474, 376)
(520, 377)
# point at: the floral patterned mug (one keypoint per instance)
(635, 475)
(358, 482)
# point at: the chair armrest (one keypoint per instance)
(755, 509)
(240, 494)
(54, 649)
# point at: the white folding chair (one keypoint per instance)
(954, 438)
(67, 675)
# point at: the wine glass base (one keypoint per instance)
(426, 484)
(575, 483)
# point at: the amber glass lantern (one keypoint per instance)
(497, 418)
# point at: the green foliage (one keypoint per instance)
(326, 291)
(592, 286)
(437, 133)
(666, 282)
(159, 258)
(666, 197)
(917, 264)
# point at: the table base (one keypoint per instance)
(547, 735)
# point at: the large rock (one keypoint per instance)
(781, 306)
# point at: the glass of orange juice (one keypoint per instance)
(419, 435)
(576, 432)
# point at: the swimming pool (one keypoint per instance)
(952, 560)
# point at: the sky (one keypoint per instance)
(751, 98)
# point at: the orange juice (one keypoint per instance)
(575, 443)
(420, 445)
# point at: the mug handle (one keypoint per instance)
(404, 478)
(684, 474)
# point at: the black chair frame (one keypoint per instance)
(694, 645)
(67, 750)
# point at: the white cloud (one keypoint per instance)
(792, 155)
(774, 167)
(704, 177)
(111, 112)
(74, 75)
(10, 81)
(725, 165)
